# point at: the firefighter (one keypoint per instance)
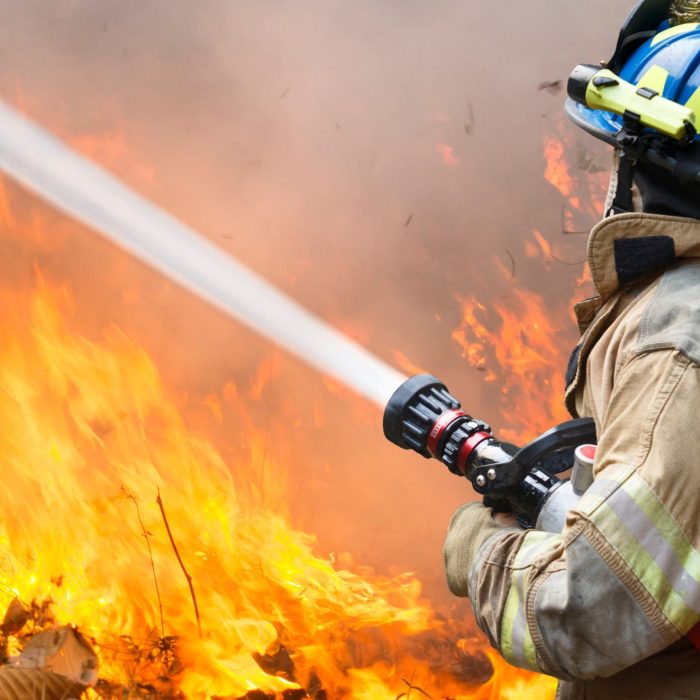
(611, 606)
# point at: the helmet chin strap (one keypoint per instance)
(623, 195)
(642, 187)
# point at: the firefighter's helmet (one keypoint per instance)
(646, 100)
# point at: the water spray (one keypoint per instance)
(88, 193)
(420, 414)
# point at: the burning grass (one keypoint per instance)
(127, 533)
(90, 438)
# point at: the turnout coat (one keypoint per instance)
(610, 605)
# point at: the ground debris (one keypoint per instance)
(41, 615)
(16, 617)
(47, 661)
(107, 690)
(471, 668)
(64, 651)
(278, 664)
(442, 653)
(55, 662)
(292, 694)
(24, 683)
(315, 688)
(152, 666)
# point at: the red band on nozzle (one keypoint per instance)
(470, 444)
(439, 427)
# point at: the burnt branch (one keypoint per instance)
(512, 264)
(159, 501)
(150, 556)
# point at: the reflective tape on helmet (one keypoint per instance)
(694, 104)
(678, 30)
(655, 79)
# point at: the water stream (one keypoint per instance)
(88, 193)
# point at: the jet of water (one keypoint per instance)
(88, 193)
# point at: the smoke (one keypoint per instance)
(370, 158)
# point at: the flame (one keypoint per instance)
(557, 172)
(91, 438)
(539, 248)
(405, 364)
(579, 176)
(524, 344)
(447, 153)
(517, 345)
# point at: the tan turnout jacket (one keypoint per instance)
(606, 605)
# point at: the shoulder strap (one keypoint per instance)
(623, 202)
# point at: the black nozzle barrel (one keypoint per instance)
(413, 409)
(423, 416)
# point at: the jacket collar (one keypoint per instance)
(628, 246)
(622, 249)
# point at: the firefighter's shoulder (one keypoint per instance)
(671, 319)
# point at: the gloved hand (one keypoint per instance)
(470, 527)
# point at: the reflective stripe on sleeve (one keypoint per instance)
(650, 541)
(516, 641)
(602, 488)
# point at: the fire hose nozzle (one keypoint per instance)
(423, 416)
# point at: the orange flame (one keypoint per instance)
(517, 345)
(541, 248)
(578, 176)
(91, 435)
(405, 364)
(557, 172)
(524, 344)
(447, 153)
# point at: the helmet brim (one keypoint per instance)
(596, 123)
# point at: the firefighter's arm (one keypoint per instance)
(622, 581)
